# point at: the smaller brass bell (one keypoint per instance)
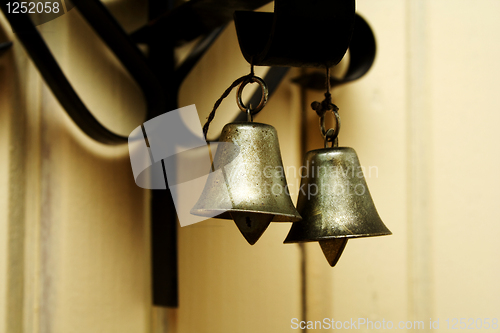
(335, 203)
(248, 189)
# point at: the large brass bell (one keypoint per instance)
(334, 200)
(256, 194)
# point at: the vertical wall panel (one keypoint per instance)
(425, 115)
(95, 249)
(419, 157)
(227, 285)
(20, 128)
(370, 280)
(75, 253)
(463, 55)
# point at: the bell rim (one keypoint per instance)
(320, 238)
(330, 149)
(249, 123)
(292, 218)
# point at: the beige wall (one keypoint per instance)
(425, 115)
(75, 233)
(74, 228)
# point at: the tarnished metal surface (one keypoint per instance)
(253, 178)
(335, 202)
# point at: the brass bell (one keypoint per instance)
(334, 202)
(246, 178)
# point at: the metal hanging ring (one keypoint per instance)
(263, 100)
(336, 131)
(332, 138)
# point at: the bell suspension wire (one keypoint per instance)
(224, 95)
(330, 135)
(242, 81)
(328, 96)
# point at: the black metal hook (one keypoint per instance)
(118, 42)
(126, 51)
(362, 50)
(193, 19)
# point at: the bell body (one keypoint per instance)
(248, 184)
(334, 202)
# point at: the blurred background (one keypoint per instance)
(75, 249)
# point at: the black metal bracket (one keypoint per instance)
(362, 50)
(300, 33)
(160, 92)
(160, 82)
(192, 19)
(53, 75)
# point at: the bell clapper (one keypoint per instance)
(252, 225)
(332, 249)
